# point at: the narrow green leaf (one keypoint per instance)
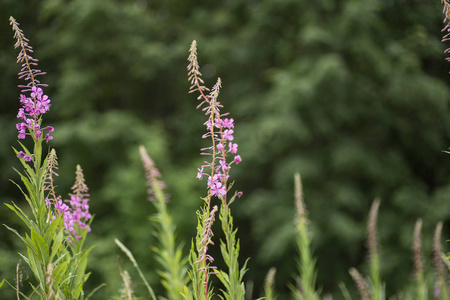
(28, 180)
(35, 266)
(40, 246)
(223, 277)
(59, 272)
(15, 231)
(243, 270)
(76, 292)
(25, 259)
(131, 257)
(19, 212)
(23, 193)
(57, 242)
(81, 267)
(51, 229)
(95, 290)
(14, 288)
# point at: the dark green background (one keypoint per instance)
(353, 94)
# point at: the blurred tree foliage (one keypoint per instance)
(353, 94)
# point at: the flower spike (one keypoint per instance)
(36, 104)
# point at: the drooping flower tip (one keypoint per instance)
(27, 72)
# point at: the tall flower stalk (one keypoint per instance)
(56, 228)
(440, 289)
(373, 289)
(269, 282)
(169, 253)
(419, 274)
(377, 289)
(216, 169)
(306, 282)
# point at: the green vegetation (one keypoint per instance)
(352, 94)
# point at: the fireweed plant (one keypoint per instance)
(56, 227)
(305, 288)
(193, 282)
(169, 254)
(221, 155)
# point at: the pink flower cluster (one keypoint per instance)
(76, 212)
(223, 139)
(32, 108)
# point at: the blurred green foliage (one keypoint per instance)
(352, 94)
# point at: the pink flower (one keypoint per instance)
(200, 173)
(233, 147)
(228, 134)
(48, 137)
(218, 190)
(21, 114)
(23, 155)
(227, 123)
(223, 164)
(36, 92)
(31, 109)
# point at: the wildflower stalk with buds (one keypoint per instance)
(374, 288)
(306, 280)
(269, 282)
(220, 130)
(440, 289)
(170, 255)
(419, 276)
(56, 230)
(373, 248)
